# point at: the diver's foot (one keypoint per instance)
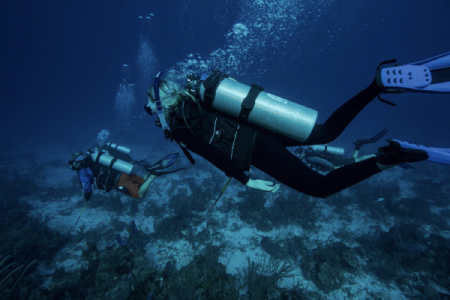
(394, 154)
(382, 84)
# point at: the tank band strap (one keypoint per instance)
(249, 101)
(113, 161)
(97, 159)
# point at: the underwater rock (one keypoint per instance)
(326, 265)
(350, 257)
(417, 265)
(135, 240)
(120, 241)
(134, 208)
(203, 278)
(235, 227)
(431, 293)
(119, 292)
(329, 277)
(270, 247)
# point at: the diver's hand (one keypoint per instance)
(87, 197)
(262, 185)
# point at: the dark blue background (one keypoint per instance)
(61, 62)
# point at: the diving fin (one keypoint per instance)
(427, 76)
(360, 142)
(395, 154)
(166, 162)
(437, 155)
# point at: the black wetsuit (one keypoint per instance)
(269, 153)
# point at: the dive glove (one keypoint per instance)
(262, 185)
(87, 196)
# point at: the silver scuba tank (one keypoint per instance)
(107, 161)
(119, 148)
(328, 149)
(270, 112)
(320, 161)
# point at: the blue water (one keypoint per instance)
(62, 83)
(61, 62)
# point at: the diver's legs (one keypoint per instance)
(144, 187)
(361, 142)
(355, 154)
(338, 121)
(340, 118)
(273, 159)
(364, 157)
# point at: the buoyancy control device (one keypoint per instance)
(255, 106)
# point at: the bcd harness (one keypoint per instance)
(233, 137)
(105, 177)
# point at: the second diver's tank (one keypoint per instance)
(120, 148)
(328, 149)
(111, 162)
(269, 111)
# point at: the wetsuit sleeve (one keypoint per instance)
(210, 153)
(86, 181)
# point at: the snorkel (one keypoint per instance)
(159, 107)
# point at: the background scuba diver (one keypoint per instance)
(110, 168)
(326, 158)
(232, 145)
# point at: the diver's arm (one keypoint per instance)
(85, 177)
(210, 153)
(263, 185)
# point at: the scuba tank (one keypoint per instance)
(119, 148)
(109, 161)
(328, 149)
(253, 105)
(320, 163)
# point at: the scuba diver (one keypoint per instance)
(326, 158)
(235, 126)
(110, 167)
